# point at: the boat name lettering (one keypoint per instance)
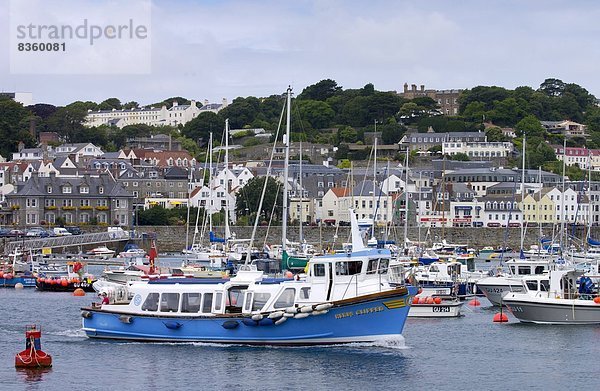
(495, 290)
(441, 309)
(515, 308)
(342, 315)
(369, 310)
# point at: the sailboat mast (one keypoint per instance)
(589, 194)
(562, 198)
(301, 194)
(210, 192)
(523, 196)
(539, 208)
(405, 205)
(374, 184)
(187, 220)
(227, 229)
(286, 143)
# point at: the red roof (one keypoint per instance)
(340, 191)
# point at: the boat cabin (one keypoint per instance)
(559, 284)
(329, 278)
(526, 267)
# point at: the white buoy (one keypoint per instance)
(288, 315)
(280, 321)
(257, 317)
(324, 306)
(18, 285)
(306, 309)
(301, 315)
(291, 310)
(276, 314)
(320, 312)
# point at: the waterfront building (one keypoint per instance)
(478, 150)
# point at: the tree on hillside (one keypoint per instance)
(241, 112)
(169, 102)
(317, 113)
(391, 133)
(531, 126)
(200, 127)
(110, 103)
(14, 126)
(320, 91)
(68, 121)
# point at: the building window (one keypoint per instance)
(67, 189)
(84, 190)
(84, 218)
(31, 202)
(101, 190)
(49, 189)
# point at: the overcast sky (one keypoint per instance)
(215, 49)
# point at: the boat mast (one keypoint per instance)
(301, 195)
(187, 220)
(405, 206)
(227, 229)
(589, 194)
(374, 184)
(562, 198)
(210, 192)
(286, 143)
(523, 196)
(539, 208)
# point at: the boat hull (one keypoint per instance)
(495, 292)
(70, 287)
(359, 321)
(442, 310)
(554, 311)
(28, 282)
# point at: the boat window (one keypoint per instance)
(247, 301)
(151, 302)
(539, 270)
(524, 270)
(383, 266)
(218, 301)
(545, 285)
(234, 299)
(169, 302)
(207, 303)
(532, 285)
(512, 270)
(260, 299)
(434, 268)
(319, 270)
(305, 293)
(372, 266)
(348, 268)
(190, 302)
(286, 299)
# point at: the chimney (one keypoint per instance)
(413, 87)
(21, 146)
(32, 128)
(405, 88)
(422, 87)
(205, 102)
(175, 103)
(224, 101)
(193, 103)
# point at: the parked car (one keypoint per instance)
(16, 233)
(74, 230)
(60, 231)
(37, 232)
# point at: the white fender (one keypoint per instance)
(301, 315)
(320, 312)
(280, 321)
(323, 307)
(291, 310)
(306, 309)
(257, 317)
(287, 315)
(276, 314)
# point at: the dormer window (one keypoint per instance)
(101, 190)
(49, 189)
(67, 189)
(84, 190)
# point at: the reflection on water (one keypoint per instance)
(32, 375)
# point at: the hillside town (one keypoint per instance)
(453, 178)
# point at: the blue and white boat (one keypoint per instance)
(347, 297)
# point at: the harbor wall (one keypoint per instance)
(173, 238)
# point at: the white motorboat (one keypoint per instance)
(435, 307)
(101, 250)
(556, 298)
(495, 287)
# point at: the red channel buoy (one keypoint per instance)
(500, 317)
(475, 303)
(33, 356)
(78, 292)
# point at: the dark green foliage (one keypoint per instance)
(248, 199)
(158, 215)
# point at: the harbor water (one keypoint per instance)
(467, 353)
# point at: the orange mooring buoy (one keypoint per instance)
(475, 303)
(78, 292)
(500, 317)
(33, 356)
(597, 300)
